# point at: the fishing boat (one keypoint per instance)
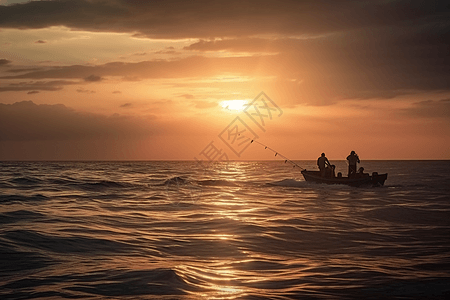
(369, 180)
(359, 179)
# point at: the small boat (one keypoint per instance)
(369, 180)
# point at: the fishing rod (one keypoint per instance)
(286, 159)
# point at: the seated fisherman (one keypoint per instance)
(361, 173)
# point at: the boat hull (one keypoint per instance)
(374, 180)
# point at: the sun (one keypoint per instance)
(234, 105)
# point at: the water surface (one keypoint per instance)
(242, 230)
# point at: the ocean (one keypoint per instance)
(237, 230)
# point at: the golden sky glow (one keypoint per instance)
(138, 80)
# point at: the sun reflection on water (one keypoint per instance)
(215, 280)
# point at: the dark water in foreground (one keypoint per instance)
(122, 230)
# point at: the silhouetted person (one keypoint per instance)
(330, 171)
(333, 171)
(361, 173)
(353, 159)
(322, 162)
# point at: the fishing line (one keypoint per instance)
(286, 159)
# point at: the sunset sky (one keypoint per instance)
(161, 80)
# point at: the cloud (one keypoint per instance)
(81, 90)
(375, 62)
(203, 19)
(170, 52)
(4, 62)
(243, 44)
(117, 92)
(40, 42)
(187, 96)
(57, 132)
(316, 52)
(320, 71)
(93, 78)
(54, 85)
(32, 92)
(21, 70)
(126, 105)
(27, 121)
(194, 66)
(430, 109)
(140, 54)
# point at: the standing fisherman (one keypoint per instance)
(352, 159)
(322, 162)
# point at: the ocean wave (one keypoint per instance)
(15, 260)
(81, 245)
(132, 283)
(102, 185)
(22, 198)
(26, 181)
(106, 283)
(157, 197)
(177, 180)
(65, 181)
(289, 183)
(19, 215)
(217, 182)
(409, 215)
